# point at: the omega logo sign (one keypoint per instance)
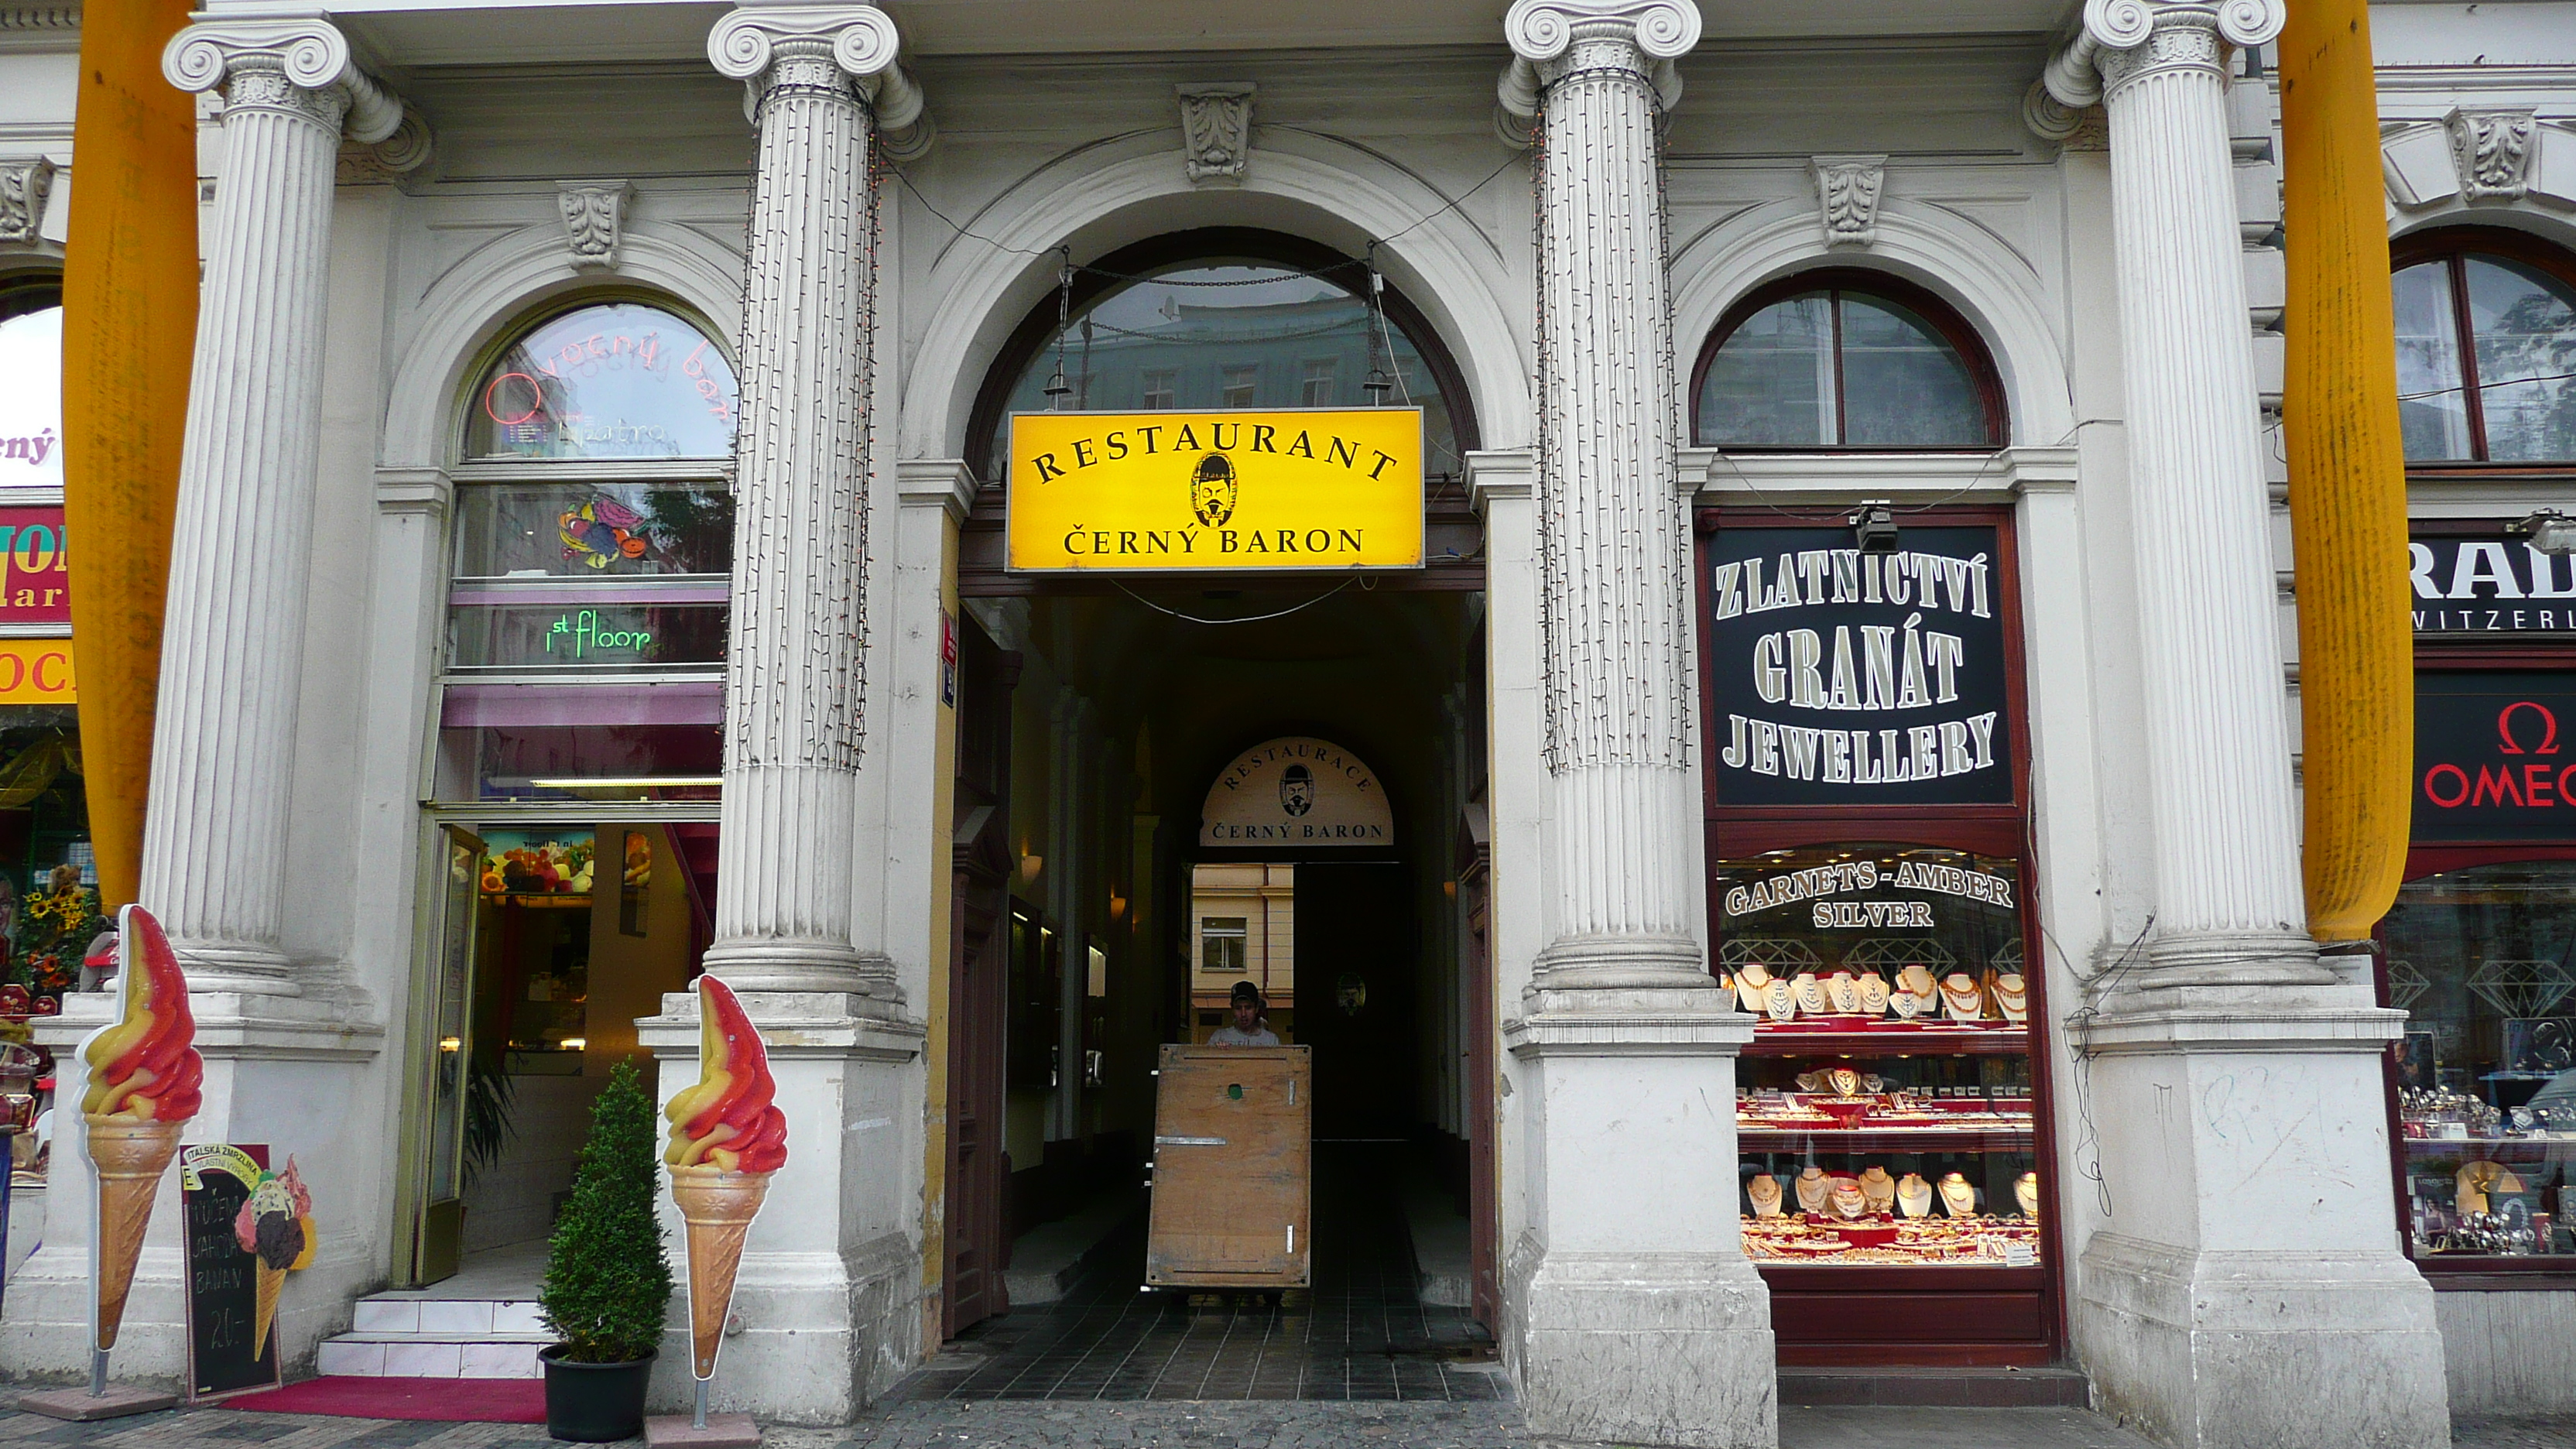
(1297, 791)
(2492, 761)
(1841, 677)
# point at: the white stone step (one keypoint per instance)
(406, 1335)
(419, 1356)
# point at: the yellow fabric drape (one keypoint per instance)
(129, 331)
(2347, 473)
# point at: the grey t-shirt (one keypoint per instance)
(1260, 1035)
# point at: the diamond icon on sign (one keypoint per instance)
(2521, 988)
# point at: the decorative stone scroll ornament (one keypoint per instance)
(2231, 906)
(2493, 151)
(819, 78)
(1847, 189)
(1216, 131)
(594, 218)
(224, 734)
(24, 185)
(407, 150)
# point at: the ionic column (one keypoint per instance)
(2230, 906)
(2242, 1237)
(799, 632)
(1613, 599)
(232, 652)
(1632, 1314)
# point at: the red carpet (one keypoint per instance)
(490, 1401)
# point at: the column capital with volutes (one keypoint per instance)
(2121, 40)
(296, 64)
(1551, 38)
(824, 50)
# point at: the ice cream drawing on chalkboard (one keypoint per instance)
(275, 1225)
(145, 1079)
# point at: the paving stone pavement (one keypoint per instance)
(969, 1424)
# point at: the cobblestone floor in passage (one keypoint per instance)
(1359, 1333)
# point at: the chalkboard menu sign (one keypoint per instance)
(1837, 677)
(226, 1350)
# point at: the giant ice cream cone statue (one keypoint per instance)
(727, 1137)
(144, 1080)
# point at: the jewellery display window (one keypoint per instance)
(1866, 808)
(2485, 1077)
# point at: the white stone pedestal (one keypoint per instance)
(2248, 1290)
(829, 1290)
(1632, 1312)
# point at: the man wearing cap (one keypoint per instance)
(1248, 1029)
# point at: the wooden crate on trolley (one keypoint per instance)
(1233, 1199)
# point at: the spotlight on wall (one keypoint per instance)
(1030, 865)
(1117, 907)
(1873, 526)
(2549, 530)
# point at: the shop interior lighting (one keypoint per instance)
(1873, 526)
(2549, 530)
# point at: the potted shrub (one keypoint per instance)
(608, 1282)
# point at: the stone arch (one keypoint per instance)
(2002, 297)
(495, 288)
(2555, 229)
(1102, 197)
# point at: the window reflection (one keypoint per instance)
(622, 380)
(2506, 397)
(1836, 368)
(1234, 336)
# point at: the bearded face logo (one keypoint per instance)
(1212, 490)
(1296, 789)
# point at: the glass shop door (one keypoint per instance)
(451, 1021)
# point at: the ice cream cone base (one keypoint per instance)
(269, 1282)
(718, 1207)
(130, 1157)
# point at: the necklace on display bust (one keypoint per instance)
(1905, 1004)
(1752, 985)
(1764, 1193)
(1960, 994)
(2026, 1193)
(1776, 1001)
(1913, 1195)
(2011, 996)
(1879, 1189)
(1813, 1187)
(1873, 995)
(1844, 1081)
(1811, 993)
(1847, 1201)
(1958, 1199)
(1917, 979)
(1844, 992)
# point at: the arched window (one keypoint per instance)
(1226, 318)
(1843, 359)
(31, 383)
(2486, 348)
(593, 550)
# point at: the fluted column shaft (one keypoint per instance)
(1614, 602)
(232, 652)
(793, 670)
(2229, 899)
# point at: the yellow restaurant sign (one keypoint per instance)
(36, 671)
(1311, 488)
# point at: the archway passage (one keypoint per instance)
(1127, 914)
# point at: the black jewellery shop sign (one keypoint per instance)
(2495, 756)
(1838, 677)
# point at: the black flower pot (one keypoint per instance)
(594, 1403)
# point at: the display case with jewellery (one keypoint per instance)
(1888, 1119)
(2484, 1082)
